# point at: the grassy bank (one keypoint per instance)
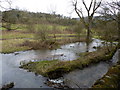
(58, 68)
(12, 41)
(111, 79)
(22, 34)
(15, 35)
(13, 45)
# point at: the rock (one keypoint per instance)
(56, 84)
(108, 76)
(94, 47)
(102, 81)
(16, 53)
(7, 86)
(36, 74)
(40, 86)
(61, 54)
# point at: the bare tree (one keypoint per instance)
(112, 10)
(91, 10)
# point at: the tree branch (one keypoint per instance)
(75, 7)
(90, 5)
(95, 7)
(85, 5)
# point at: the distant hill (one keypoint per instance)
(19, 16)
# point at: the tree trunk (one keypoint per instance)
(88, 39)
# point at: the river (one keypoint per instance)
(87, 77)
(10, 71)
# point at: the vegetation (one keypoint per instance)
(111, 79)
(50, 30)
(15, 35)
(87, 21)
(23, 30)
(18, 41)
(16, 16)
(13, 45)
(55, 69)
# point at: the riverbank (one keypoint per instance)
(111, 79)
(14, 45)
(55, 68)
(21, 41)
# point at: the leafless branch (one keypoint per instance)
(90, 5)
(9, 2)
(85, 5)
(75, 7)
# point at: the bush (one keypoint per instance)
(42, 33)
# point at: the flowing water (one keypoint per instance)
(86, 78)
(10, 71)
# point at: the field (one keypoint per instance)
(20, 40)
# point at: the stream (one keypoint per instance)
(88, 76)
(10, 71)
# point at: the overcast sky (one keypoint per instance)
(60, 6)
(63, 7)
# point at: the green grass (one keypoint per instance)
(63, 34)
(95, 36)
(16, 27)
(13, 45)
(17, 40)
(40, 67)
(1, 28)
(9, 46)
(18, 34)
(15, 35)
(23, 27)
(62, 38)
(56, 69)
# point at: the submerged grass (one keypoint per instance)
(58, 68)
